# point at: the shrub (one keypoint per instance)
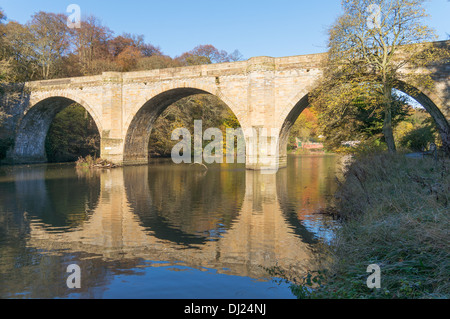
(418, 139)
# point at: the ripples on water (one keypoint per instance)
(163, 230)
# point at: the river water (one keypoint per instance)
(162, 230)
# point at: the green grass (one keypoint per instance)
(393, 212)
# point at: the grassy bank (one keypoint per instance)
(394, 212)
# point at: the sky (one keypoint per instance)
(273, 28)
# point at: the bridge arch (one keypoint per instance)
(31, 133)
(139, 124)
(431, 103)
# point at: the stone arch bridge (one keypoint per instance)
(263, 92)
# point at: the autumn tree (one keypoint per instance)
(3, 63)
(208, 108)
(2, 30)
(369, 45)
(208, 54)
(146, 49)
(358, 120)
(128, 49)
(50, 40)
(8, 73)
(5, 52)
(91, 43)
(156, 62)
(305, 127)
(19, 47)
(72, 134)
(128, 58)
(118, 44)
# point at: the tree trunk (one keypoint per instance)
(387, 125)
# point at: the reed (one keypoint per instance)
(393, 211)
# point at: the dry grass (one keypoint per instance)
(394, 213)
(91, 162)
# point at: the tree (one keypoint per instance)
(305, 127)
(369, 45)
(235, 56)
(417, 131)
(127, 50)
(19, 48)
(72, 134)
(6, 76)
(128, 58)
(4, 65)
(156, 62)
(5, 71)
(138, 42)
(91, 43)
(118, 44)
(357, 119)
(50, 40)
(208, 54)
(208, 108)
(2, 30)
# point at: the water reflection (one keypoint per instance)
(119, 222)
(306, 187)
(185, 206)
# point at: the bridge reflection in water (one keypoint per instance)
(235, 221)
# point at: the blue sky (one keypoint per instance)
(265, 27)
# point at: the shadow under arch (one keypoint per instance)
(420, 96)
(58, 198)
(185, 205)
(139, 130)
(31, 133)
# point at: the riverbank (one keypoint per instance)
(393, 212)
(300, 151)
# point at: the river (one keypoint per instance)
(163, 230)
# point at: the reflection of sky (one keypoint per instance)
(182, 282)
(319, 227)
(409, 99)
(206, 208)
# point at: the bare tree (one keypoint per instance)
(91, 43)
(207, 54)
(50, 39)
